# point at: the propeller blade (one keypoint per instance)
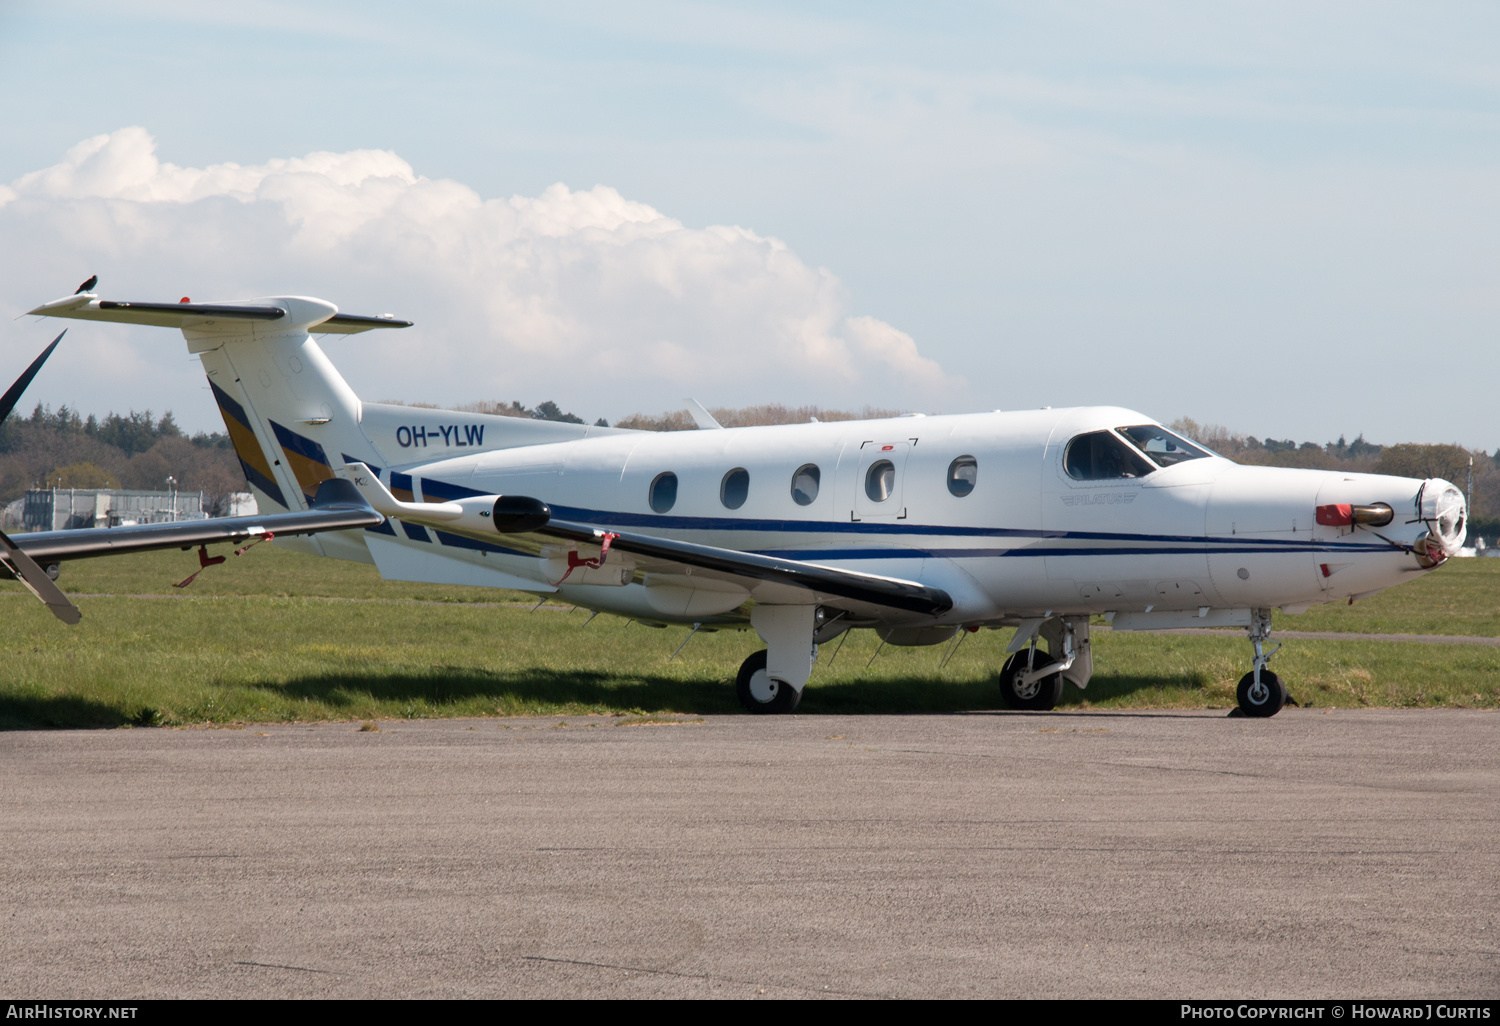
(13, 394)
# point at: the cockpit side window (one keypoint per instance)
(1163, 447)
(1101, 456)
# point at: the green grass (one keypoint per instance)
(257, 640)
(1460, 597)
(265, 570)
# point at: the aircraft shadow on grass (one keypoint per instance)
(530, 688)
(519, 692)
(66, 712)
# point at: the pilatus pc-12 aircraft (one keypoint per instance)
(915, 527)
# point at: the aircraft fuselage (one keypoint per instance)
(1027, 539)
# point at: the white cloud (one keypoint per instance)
(602, 303)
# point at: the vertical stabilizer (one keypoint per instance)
(292, 418)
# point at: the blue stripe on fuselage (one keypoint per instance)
(1145, 544)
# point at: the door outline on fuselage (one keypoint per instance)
(854, 463)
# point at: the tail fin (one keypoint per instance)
(291, 416)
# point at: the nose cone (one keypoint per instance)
(1430, 516)
(1446, 514)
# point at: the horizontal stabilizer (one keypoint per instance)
(89, 307)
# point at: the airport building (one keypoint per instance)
(60, 509)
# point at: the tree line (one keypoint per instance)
(62, 449)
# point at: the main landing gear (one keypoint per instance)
(771, 680)
(1261, 692)
(1032, 679)
(759, 692)
(1025, 682)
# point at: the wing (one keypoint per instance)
(516, 516)
(890, 592)
(338, 506)
(519, 516)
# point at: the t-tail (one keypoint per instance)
(290, 415)
(292, 418)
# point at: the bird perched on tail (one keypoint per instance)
(93, 280)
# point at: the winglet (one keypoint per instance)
(382, 501)
(337, 493)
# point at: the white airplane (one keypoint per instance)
(917, 527)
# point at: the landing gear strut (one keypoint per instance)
(1261, 692)
(1032, 679)
(771, 680)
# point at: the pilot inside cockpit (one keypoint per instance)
(1105, 456)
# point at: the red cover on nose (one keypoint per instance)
(1336, 516)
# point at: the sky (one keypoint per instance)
(1277, 217)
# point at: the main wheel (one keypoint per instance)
(1040, 695)
(1266, 699)
(759, 692)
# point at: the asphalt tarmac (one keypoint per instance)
(1316, 854)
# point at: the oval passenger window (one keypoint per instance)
(962, 473)
(805, 484)
(880, 480)
(735, 488)
(663, 494)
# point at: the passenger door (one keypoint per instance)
(872, 479)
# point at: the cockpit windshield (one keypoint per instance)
(1161, 446)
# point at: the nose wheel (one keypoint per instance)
(1263, 697)
(1260, 692)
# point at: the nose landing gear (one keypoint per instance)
(1260, 692)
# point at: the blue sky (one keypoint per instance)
(1279, 217)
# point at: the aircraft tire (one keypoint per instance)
(1257, 704)
(751, 686)
(1039, 696)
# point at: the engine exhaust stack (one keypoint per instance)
(1378, 514)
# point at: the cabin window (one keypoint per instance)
(962, 473)
(735, 488)
(663, 493)
(880, 480)
(805, 484)
(1101, 456)
(1161, 446)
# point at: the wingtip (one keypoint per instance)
(53, 307)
